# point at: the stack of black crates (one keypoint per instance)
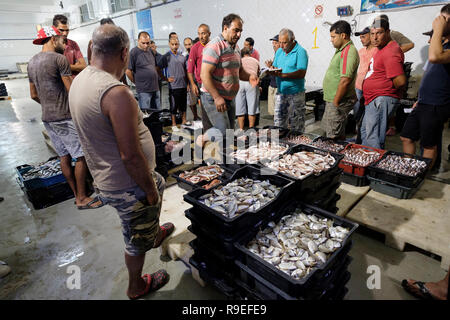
(223, 261)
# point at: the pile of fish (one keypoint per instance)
(298, 243)
(301, 139)
(239, 196)
(44, 170)
(260, 151)
(407, 166)
(360, 157)
(328, 145)
(302, 164)
(204, 173)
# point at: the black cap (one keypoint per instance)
(364, 31)
(428, 33)
(275, 38)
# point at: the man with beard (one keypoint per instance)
(220, 74)
(50, 80)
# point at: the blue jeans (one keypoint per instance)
(149, 100)
(375, 121)
(357, 111)
(219, 120)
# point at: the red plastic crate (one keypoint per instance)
(355, 168)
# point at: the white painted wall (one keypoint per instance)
(262, 20)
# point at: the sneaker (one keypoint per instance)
(391, 132)
(4, 269)
(175, 129)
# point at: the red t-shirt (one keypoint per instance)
(195, 61)
(72, 53)
(385, 65)
(255, 54)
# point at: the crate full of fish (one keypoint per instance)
(296, 137)
(254, 135)
(358, 157)
(247, 198)
(328, 144)
(261, 152)
(202, 176)
(400, 168)
(310, 167)
(299, 249)
(41, 175)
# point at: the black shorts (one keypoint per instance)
(179, 100)
(425, 123)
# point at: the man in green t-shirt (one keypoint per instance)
(339, 82)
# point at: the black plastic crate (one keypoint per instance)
(215, 239)
(189, 186)
(338, 289)
(230, 290)
(215, 262)
(48, 196)
(329, 202)
(398, 178)
(354, 180)
(324, 193)
(247, 219)
(393, 190)
(312, 181)
(279, 278)
(318, 185)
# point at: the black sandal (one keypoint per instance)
(424, 292)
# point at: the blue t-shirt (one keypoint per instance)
(435, 86)
(295, 60)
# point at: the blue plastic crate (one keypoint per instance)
(36, 183)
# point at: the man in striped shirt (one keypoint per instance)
(220, 73)
(339, 82)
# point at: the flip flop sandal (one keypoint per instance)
(153, 282)
(166, 230)
(424, 292)
(88, 205)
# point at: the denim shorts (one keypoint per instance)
(64, 138)
(140, 221)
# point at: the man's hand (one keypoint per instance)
(439, 23)
(269, 63)
(194, 90)
(254, 80)
(336, 103)
(220, 104)
(415, 104)
(278, 73)
(170, 79)
(153, 198)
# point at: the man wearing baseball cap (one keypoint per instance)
(50, 78)
(365, 54)
(273, 80)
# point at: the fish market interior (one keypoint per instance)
(224, 150)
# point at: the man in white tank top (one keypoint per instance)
(120, 153)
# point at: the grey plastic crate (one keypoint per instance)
(393, 190)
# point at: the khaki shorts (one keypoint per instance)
(335, 118)
(271, 96)
(140, 221)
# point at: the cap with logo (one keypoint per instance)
(364, 31)
(275, 38)
(44, 33)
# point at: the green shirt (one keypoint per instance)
(343, 64)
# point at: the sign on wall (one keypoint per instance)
(144, 21)
(377, 5)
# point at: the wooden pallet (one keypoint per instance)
(423, 221)
(350, 195)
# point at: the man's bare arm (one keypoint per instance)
(344, 82)
(130, 75)
(78, 66)
(194, 87)
(33, 93)
(299, 74)
(436, 52)
(406, 47)
(67, 80)
(119, 105)
(399, 81)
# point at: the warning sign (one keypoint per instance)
(318, 11)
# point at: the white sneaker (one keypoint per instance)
(175, 129)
